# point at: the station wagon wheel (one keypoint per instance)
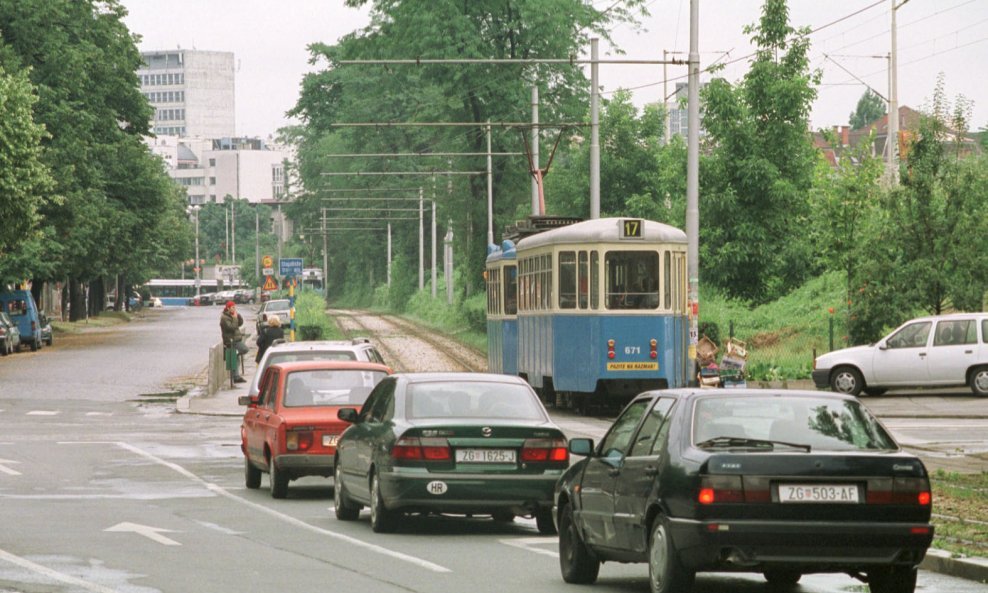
(345, 508)
(278, 480)
(577, 563)
(847, 380)
(896, 579)
(382, 520)
(252, 475)
(543, 519)
(979, 381)
(782, 577)
(665, 573)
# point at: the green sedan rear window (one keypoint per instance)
(472, 400)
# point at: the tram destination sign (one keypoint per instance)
(290, 266)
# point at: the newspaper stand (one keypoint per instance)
(732, 364)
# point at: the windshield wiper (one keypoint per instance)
(725, 441)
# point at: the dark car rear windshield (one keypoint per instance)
(338, 387)
(821, 423)
(472, 400)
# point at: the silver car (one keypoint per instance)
(359, 349)
(277, 307)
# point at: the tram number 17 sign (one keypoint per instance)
(631, 228)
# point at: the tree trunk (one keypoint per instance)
(77, 298)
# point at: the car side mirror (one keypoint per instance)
(883, 345)
(581, 446)
(248, 400)
(347, 415)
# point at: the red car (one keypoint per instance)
(290, 428)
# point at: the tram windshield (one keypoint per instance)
(632, 279)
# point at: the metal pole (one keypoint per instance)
(233, 234)
(433, 260)
(693, 188)
(226, 229)
(325, 261)
(421, 243)
(257, 243)
(665, 96)
(490, 189)
(198, 267)
(389, 254)
(594, 132)
(448, 261)
(893, 135)
(535, 148)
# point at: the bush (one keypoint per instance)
(311, 319)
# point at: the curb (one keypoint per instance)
(973, 569)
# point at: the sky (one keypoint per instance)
(850, 42)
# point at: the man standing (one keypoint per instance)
(230, 322)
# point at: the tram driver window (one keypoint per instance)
(510, 290)
(632, 279)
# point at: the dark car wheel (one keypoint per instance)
(278, 481)
(345, 508)
(382, 520)
(252, 475)
(577, 563)
(847, 380)
(893, 580)
(783, 578)
(979, 381)
(665, 573)
(543, 519)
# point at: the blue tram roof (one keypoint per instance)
(603, 230)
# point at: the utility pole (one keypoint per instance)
(490, 189)
(693, 189)
(433, 260)
(421, 242)
(893, 127)
(594, 132)
(535, 148)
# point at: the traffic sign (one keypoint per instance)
(267, 261)
(268, 272)
(269, 283)
(290, 266)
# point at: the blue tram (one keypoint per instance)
(502, 309)
(601, 310)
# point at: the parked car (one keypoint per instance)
(204, 299)
(780, 482)
(47, 336)
(938, 351)
(290, 430)
(279, 307)
(23, 311)
(223, 296)
(10, 336)
(359, 349)
(468, 443)
(243, 296)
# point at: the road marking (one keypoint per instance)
(99, 413)
(43, 413)
(269, 511)
(152, 533)
(528, 544)
(54, 574)
(7, 470)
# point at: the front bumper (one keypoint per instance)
(820, 546)
(821, 378)
(413, 490)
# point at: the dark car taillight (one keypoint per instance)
(421, 449)
(298, 440)
(719, 489)
(544, 450)
(907, 491)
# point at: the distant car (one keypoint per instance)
(279, 307)
(47, 336)
(290, 430)
(154, 302)
(243, 296)
(265, 296)
(222, 297)
(203, 299)
(780, 482)
(10, 336)
(938, 351)
(466, 443)
(359, 349)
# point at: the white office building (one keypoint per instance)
(192, 92)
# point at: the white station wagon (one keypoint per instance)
(940, 351)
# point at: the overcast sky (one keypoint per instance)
(269, 39)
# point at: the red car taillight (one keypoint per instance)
(298, 440)
(421, 449)
(719, 489)
(904, 491)
(543, 450)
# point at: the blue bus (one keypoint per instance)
(177, 292)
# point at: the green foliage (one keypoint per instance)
(760, 168)
(310, 312)
(870, 108)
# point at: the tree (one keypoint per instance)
(760, 170)
(870, 108)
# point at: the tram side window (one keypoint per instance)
(567, 280)
(594, 280)
(632, 279)
(668, 280)
(510, 290)
(583, 280)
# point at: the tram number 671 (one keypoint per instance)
(632, 350)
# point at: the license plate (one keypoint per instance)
(485, 455)
(329, 440)
(830, 493)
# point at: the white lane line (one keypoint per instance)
(54, 574)
(528, 544)
(7, 470)
(269, 511)
(43, 413)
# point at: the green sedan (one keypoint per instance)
(457, 443)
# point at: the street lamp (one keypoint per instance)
(197, 268)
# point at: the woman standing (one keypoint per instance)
(269, 334)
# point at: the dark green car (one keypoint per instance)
(459, 443)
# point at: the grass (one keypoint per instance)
(105, 319)
(960, 506)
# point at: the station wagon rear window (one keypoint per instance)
(472, 400)
(337, 387)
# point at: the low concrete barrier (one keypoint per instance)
(216, 373)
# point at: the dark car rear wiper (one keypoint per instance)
(744, 441)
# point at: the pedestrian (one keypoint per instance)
(271, 332)
(230, 322)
